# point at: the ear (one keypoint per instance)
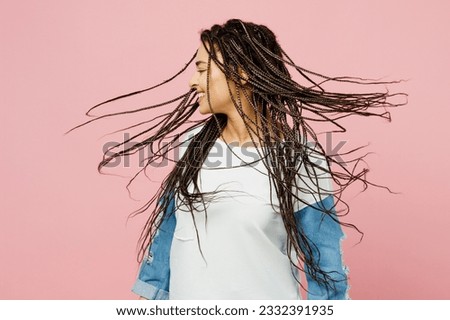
(243, 75)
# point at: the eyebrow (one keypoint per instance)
(199, 62)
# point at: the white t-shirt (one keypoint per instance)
(242, 238)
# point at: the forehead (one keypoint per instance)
(202, 54)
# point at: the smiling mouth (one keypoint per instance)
(200, 96)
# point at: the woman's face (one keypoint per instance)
(219, 93)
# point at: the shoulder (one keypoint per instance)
(186, 138)
(313, 177)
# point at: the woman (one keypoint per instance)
(252, 193)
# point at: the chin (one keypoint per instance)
(204, 110)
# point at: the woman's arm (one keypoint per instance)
(154, 274)
(324, 235)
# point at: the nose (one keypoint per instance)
(193, 82)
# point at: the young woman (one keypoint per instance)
(251, 200)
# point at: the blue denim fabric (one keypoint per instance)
(324, 236)
(154, 275)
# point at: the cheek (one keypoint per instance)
(219, 89)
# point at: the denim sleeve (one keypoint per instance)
(154, 274)
(325, 235)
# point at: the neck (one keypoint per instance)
(235, 131)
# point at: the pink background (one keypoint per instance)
(64, 232)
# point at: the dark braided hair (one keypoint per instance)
(277, 99)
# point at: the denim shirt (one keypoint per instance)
(323, 232)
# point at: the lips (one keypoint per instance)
(200, 95)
